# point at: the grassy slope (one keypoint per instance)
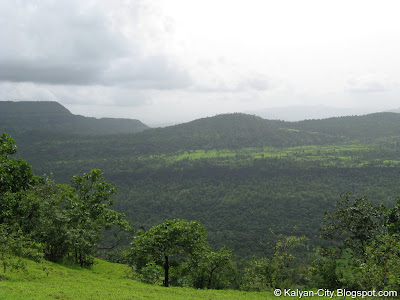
(103, 281)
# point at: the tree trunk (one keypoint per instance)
(166, 271)
(210, 278)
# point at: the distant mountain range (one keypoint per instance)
(51, 116)
(298, 113)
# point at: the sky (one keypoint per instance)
(174, 61)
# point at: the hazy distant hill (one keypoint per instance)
(298, 113)
(17, 117)
(396, 110)
(369, 126)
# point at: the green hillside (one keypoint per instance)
(102, 281)
(238, 174)
(18, 117)
(229, 131)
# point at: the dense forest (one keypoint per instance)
(254, 184)
(240, 175)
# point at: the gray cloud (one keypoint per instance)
(75, 43)
(152, 72)
(42, 71)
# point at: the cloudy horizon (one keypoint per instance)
(174, 61)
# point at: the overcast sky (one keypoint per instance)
(174, 61)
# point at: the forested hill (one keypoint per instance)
(19, 117)
(371, 126)
(239, 175)
(227, 131)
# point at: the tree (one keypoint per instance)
(215, 270)
(365, 254)
(352, 224)
(169, 244)
(74, 217)
(392, 221)
(16, 179)
(269, 273)
(382, 266)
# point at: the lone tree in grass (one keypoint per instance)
(170, 243)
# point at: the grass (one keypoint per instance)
(102, 281)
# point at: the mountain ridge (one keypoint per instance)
(17, 117)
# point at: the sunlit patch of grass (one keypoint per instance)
(329, 155)
(347, 155)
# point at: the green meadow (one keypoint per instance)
(339, 155)
(104, 280)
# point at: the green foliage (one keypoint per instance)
(366, 253)
(382, 266)
(392, 221)
(66, 221)
(16, 178)
(353, 224)
(151, 273)
(323, 273)
(276, 272)
(259, 275)
(14, 246)
(74, 217)
(215, 270)
(171, 243)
